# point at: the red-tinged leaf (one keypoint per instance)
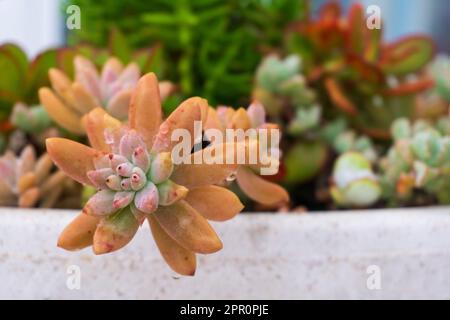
(338, 97)
(330, 11)
(11, 75)
(64, 60)
(410, 88)
(37, 76)
(407, 55)
(356, 29)
(19, 56)
(373, 44)
(366, 71)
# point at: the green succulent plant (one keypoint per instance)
(440, 71)
(355, 73)
(213, 44)
(282, 89)
(20, 78)
(354, 182)
(418, 161)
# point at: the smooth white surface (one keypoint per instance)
(35, 25)
(264, 257)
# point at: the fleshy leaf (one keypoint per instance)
(64, 116)
(407, 55)
(79, 233)
(259, 189)
(101, 204)
(178, 258)
(73, 158)
(145, 113)
(147, 199)
(214, 203)
(187, 227)
(183, 117)
(115, 231)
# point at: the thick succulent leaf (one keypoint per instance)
(29, 198)
(183, 117)
(261, 190)
(84, 101)
(407, 55)
(73, 158)
(166, 88)
(356, 29)
(79, 233)
(410, 88)
(11, 78)
(304, 161)
(147, 199)
(101, 204)
(187, 227)
(63, 115)
(193, 175)
(214, 203)
(115, 231)
(240, 120)
(37, 72)
(95, 123)
(178, 258)
(338, 97)
(145, 113)
(373, 44)
(119, 103)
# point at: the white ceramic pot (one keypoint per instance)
(402, 253)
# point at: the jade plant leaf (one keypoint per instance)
(407, 55)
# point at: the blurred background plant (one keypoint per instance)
(342, 95)
(355, 72)
(211, 44)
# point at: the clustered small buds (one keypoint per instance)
(418, 159)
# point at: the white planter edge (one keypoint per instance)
(265, 256)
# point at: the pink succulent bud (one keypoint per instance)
(141, 158)
(98, 177)
(124, 169)
(161, 167)
(170, 192)
(113, 182)
(101, 204)
(138, 179)
(122, 199)
(126, 184)
(116, 160)
(147, 199)
(129, 142)
(257, 114)
(102, 162)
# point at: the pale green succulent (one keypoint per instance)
(33, 119)
(279, 81)
(440, 71)
(342, 140)
(418, 160)
(354, 183)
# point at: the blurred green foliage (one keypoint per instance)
(213, 46)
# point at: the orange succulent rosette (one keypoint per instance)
(250, 182)
(131, 167)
